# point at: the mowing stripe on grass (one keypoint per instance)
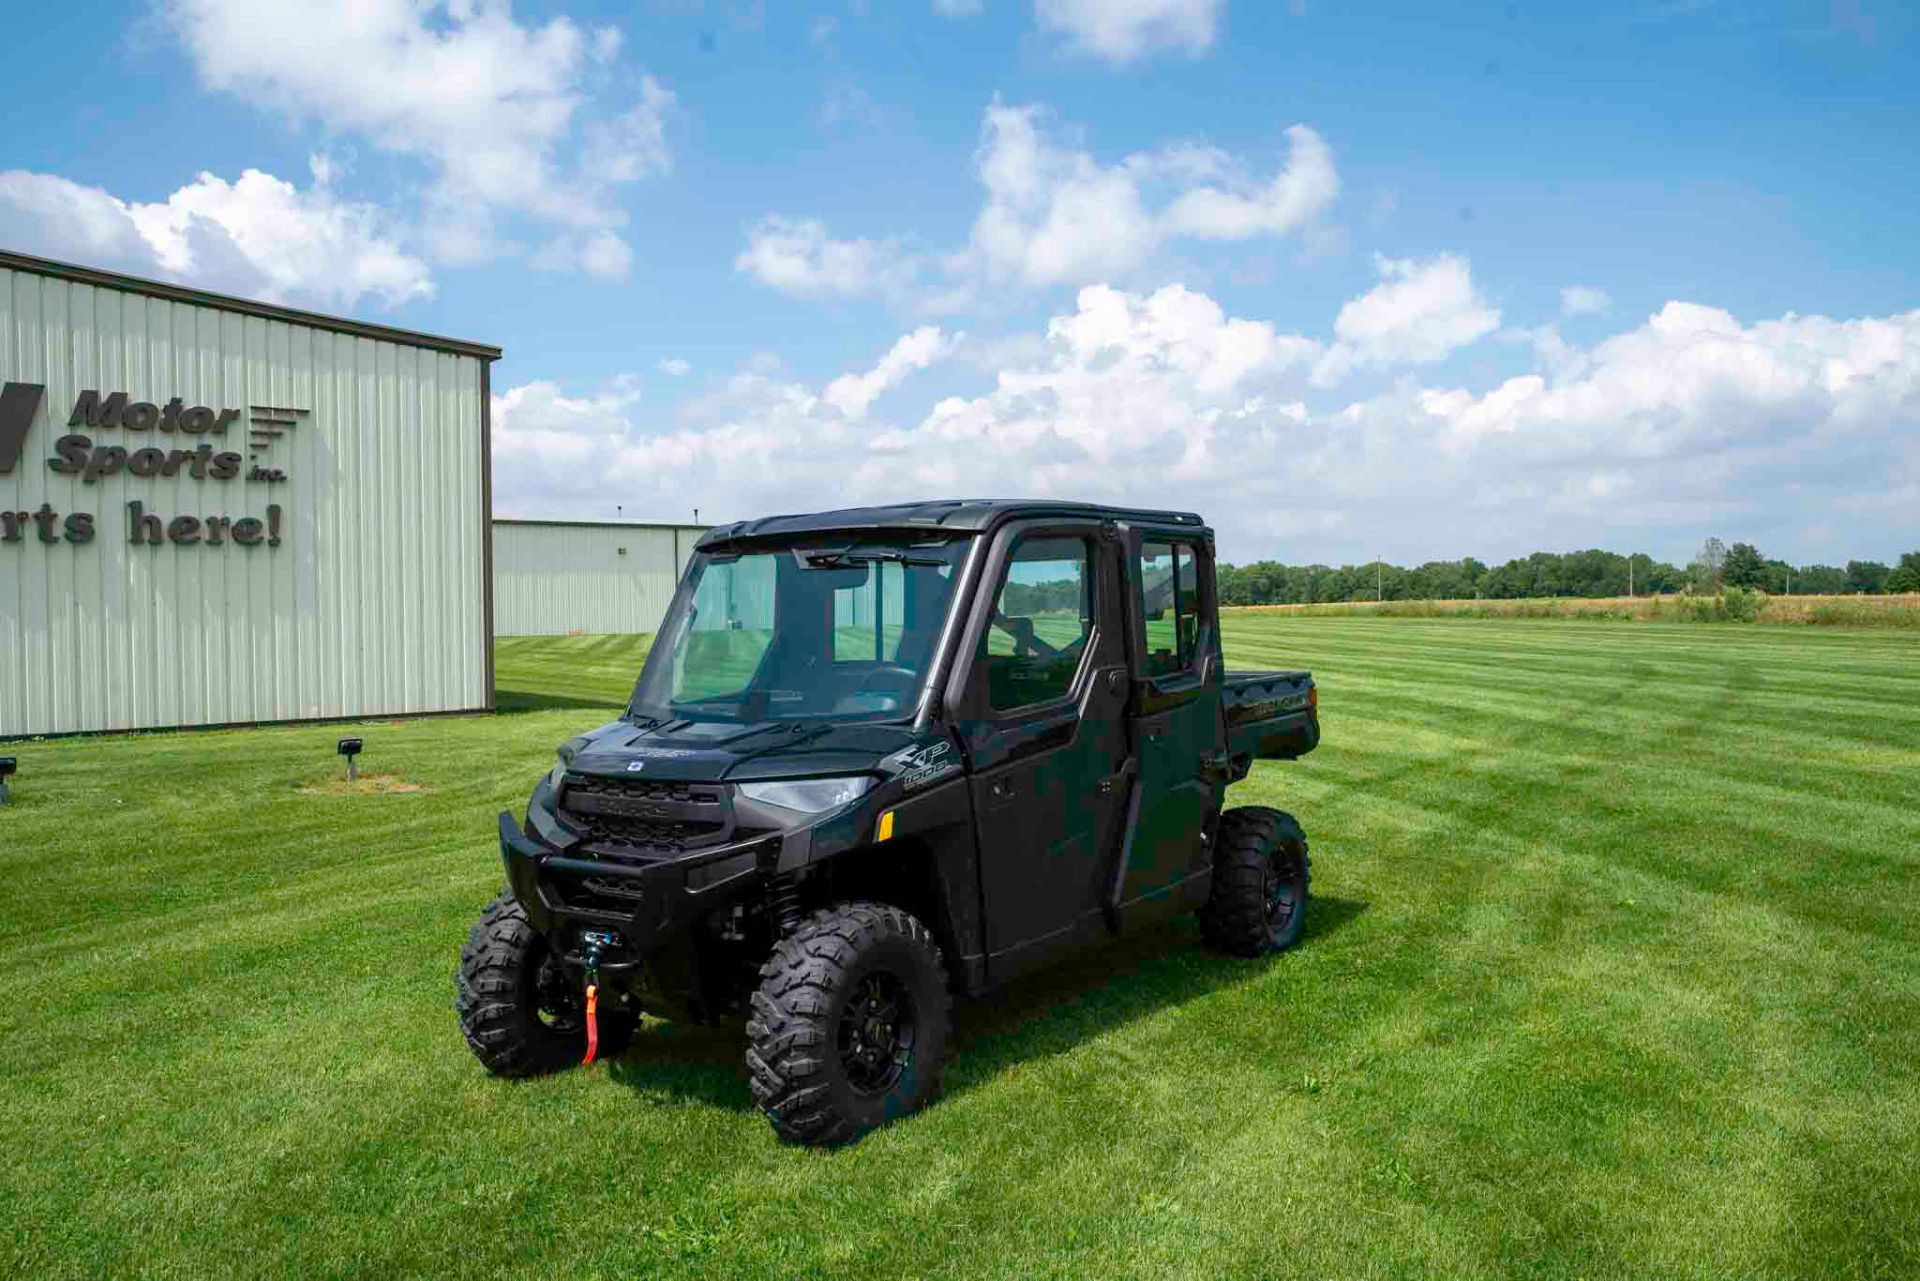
(1613, 969)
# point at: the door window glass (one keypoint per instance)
(1170, 604)
(1041, 622)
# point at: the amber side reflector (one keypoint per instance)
(1313, 701)
(884, 832)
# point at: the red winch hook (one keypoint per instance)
(593, 999)
(593, 1023)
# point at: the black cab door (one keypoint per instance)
(1176, 721)
(1041, 707)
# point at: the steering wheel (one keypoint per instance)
(905, 677)
(1025, 641)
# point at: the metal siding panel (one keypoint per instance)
(323, 503)
(31, 484)
(463, 593)
(302, 516)
(553, 579)
(74, 662)
(414, 438)
(477, 449)
(444, 518)
(372, 604)
(12, 635)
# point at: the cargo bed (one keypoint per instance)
(1271, 716)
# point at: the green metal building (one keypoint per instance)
(217, 511)
(594, 578)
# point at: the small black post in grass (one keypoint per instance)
(350, 748)
(8, 767)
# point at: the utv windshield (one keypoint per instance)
(842, 632)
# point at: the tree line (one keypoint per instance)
(1592, 573)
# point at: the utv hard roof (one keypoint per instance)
(955, 515)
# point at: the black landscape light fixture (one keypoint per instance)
(8, 766)
(350, 748)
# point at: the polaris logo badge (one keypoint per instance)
(634, 767)
(19, 402)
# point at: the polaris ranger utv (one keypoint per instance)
(881, 756)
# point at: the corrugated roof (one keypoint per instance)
(245, 306)
(600, 524)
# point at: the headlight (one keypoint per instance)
(809, 795)
(566, 752)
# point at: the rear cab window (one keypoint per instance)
(1169, 607)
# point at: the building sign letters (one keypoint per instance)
(90, 452)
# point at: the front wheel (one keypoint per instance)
(1258, 903)
(849, 1025)
(522, 1012)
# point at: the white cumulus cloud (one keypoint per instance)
(1422, 311)
(1584, 300)
(854, 394)
(1124, 31)
(1143, 381)
(258, 236)
(1688, 424)
(1695, 377)
(798, 257)
(1055, 215)
(514, 120)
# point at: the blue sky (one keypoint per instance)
(1068, 246)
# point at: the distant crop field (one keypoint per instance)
(1824, 611)
(1613, 970)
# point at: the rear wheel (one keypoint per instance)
(1258, 903)
(849, 1025)
(523, 1013)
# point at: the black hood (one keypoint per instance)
(713, 751)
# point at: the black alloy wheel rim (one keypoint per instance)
(876, 1033)
(560, 1005)
(1280, 888)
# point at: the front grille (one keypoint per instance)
(648, 814)
(610, 895)
(615, 887)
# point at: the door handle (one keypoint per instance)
(1000, 789)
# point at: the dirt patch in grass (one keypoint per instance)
(366, 785)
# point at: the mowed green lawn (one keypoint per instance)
(1614, 970)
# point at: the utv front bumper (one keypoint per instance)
(646, 903)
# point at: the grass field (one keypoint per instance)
(1614, 970)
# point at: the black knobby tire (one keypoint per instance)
(1258, 902)
(849, 1025)
(525, 1015)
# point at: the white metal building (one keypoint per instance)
(216, 511)
(598, 578)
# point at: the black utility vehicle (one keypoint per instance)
(881, 756)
